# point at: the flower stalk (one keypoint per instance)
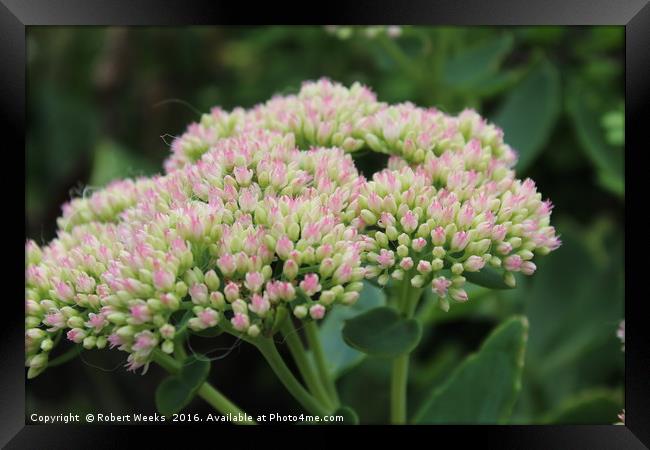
(311, 331)
(309, 376)
(267, 347)
(407, 300)
(206, 391)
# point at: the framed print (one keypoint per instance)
(411, 217)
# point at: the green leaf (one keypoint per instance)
(475, 64)
(172, 396)
(530, 112)
(484, 388)
(574, 306)
(597, 406)
(340, 356)
(487, 277)
(382, 332)
(607, 159)
(497, 83)
(350, 417)
(194, 371)
(176, 392)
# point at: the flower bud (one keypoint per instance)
(300, 311)
(199, 294)
(424, 267)
(474, 263)
(317, 311)
(253, 331)
(211, 279)
(402, 251)
(168, 347)
(417, 281)
(349, 298)
(290, 269)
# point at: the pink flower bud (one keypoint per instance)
(254, 281)
(386, 220)
(317, 312)
(63, 291)
(199, 293)
(231, 291)
(386, 258)
(418, 244)
(459, 241)
(310, 284)
(227, 264)
(499, 232)
(259, 305)
(144, 342)
(287, 291)
(96, 321)
(528, 267)
(504, 248)
(284, 247)
(76, 335)
(406, 263)
(458, 294)
(240, 321)
(115, 341)
(409, 222)
(440, 286)
(55, 320)
(140, 313)
(247, 200)
(208, 317)
(243, 175)
(512, 263)
(438, 236)
(474, 263)
(163, 280)
(424, 267)
(84, 283)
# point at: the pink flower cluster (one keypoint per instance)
(263, 212)
(254, 226)
(434, 222)
(328, 114)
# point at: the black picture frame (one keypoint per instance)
(634, 15)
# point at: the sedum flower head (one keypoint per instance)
(323, 113)
(254, 226)
(435, 223)
(262, 213)
(328, 114)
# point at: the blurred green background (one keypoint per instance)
(105, 103)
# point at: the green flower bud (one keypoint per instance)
(168, 347)
(300, 311)
(212, 280)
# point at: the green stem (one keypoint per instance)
(179, 350)
(221, 402)
(311, 331)
(407, 302)
(304, 366)
(207, 392)
(65, 357)
(398, 384)
(266, 346)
